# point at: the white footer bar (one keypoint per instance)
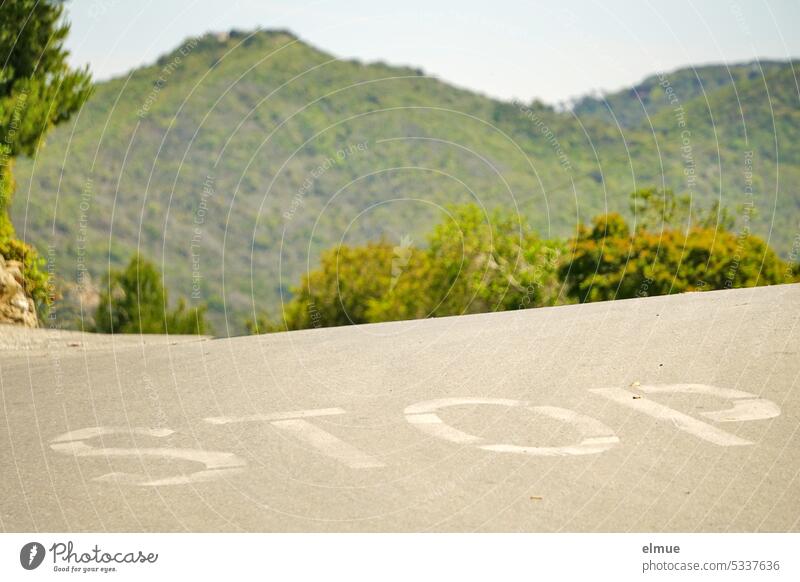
(371, 557)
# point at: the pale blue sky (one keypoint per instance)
(548, 50)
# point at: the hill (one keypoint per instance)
(630, 107)
(236, 158)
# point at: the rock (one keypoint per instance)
(15, 305)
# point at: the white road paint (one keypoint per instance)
(746, 409)
(83, 434)
(327, 444)
(746, 406)
(217, 464)
(597, 437)
(435, 426)
(294, 423)
(438, 403)
(680, 420)
(275, 416)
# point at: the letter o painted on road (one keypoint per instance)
(596, 437)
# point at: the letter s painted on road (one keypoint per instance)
(217, 464)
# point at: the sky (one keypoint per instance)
(552, 51)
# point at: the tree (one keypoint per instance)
(473, 263)
(655, 209)
(340, 292)
(476, 263)
(135, 301)
(38, 90)
(609, 262)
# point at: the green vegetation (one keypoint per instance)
(134, 301)
(274, 151)
(611, 262)
(673, 249)
(35, 276)
(38, 91)
(472, 264)
(631, 107)
(476, 264)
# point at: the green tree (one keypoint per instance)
(654, 209)
(340, 292)
(476, 263)
(38, 90)
(134, 300)
(610, 262)
(473, 263)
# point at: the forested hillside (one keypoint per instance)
(236, 159)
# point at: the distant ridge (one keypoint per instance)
(368, 150)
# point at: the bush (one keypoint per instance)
(609, 262)
(473, 263)
(135, 301)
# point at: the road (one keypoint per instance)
(677, 413)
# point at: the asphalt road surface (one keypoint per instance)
(676, 413)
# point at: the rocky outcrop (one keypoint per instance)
(15, 305)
